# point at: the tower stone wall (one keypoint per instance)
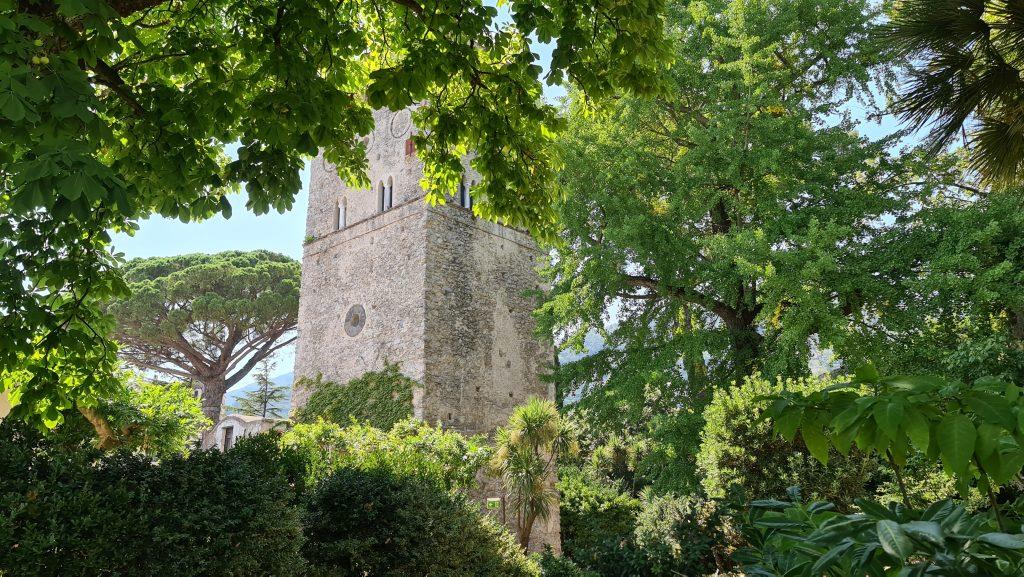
(446, 296)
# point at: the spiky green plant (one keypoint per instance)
(966, 80)
(524, 460)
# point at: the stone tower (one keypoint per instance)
(388, 278)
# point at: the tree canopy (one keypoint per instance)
(207, 318)
(113, 110)
(711, 231)
(942, 292)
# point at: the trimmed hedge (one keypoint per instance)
(80, 512)
(382, 504)
(387, 524)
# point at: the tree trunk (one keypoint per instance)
(746, 345)
(525, 530)
(212, 398)
(107, 438)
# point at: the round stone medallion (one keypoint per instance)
(401, 123)
(355, 319)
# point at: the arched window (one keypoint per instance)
(340, 216)
(380, 197)
(465, 198)
(386, 192)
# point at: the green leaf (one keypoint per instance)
(1003, 540)
(991, 408)
(893, 540)
(928, 530)
(874, 509)
(11, 106)
(866, 373)
(956, 438)
(1007, 466)
(826, 560)
(988, 439)
(788, 423)
(889, 416)
(815, 441)
(849, 417)
(917, 429)
(915, 383)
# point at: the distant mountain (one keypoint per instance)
(234, 393)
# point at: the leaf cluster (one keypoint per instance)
(448, 459)
(794, 539)
(378, 398)
(966, 77)
(976, 430)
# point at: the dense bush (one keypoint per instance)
(411, 446)
(597, 521)
(74, 511)
(681, 535)
(157, 419)
(328, 501)
(385, 523)
(552, 565)
(607, 531)
(739, 448)
(379, 398)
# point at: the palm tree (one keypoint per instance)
(524, 459)
(968, 56)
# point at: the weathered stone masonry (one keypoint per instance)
(444, 295)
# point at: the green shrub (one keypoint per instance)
(379, 398)
(552, 565)
(380, 522)
(607, 531)
(157, 419)
(409, 447)
(80, 512)
(597, 521)
(681, 536)
(739, 448)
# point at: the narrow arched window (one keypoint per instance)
(381, 206)
(340, 216)
(465, 198)
(389, 198)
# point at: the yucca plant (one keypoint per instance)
(524, 459)
(967, 58)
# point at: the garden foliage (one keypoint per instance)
(973, 429)
(811, 540)
(378, 398)
(611, 533)
(372, 520)
(738, 448)
(410, 447)
(73, 511)
(323, 501)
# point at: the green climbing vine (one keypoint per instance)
(378, 398)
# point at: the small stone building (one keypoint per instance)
(387, 277)
(229, 429)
